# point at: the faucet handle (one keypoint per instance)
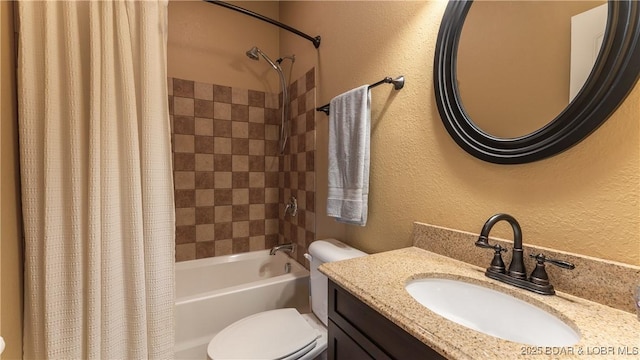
(541, 259)
(539, 274)
(497, 265)
(291, 207)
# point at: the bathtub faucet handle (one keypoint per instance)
(291, 207)
(290, 247)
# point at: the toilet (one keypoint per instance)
(285, 333)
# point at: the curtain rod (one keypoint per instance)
(398, 83)
(314, 40)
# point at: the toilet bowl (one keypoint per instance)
(285, 333)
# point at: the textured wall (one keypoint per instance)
(207, 43)
(584, 200)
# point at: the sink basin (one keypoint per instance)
(491, 312)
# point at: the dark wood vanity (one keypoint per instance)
(356, 331)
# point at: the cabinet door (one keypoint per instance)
(376, 335)
(341, 346)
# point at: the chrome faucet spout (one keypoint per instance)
(284, 247)
(516, 268)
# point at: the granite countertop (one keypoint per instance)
(379, 279)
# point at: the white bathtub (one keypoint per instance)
(212, 293)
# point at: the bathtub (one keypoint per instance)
(214, 292)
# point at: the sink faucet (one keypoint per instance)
(284, 247)
(516, 268)
(538, 282)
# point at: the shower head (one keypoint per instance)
(253, 55)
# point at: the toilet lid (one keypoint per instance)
(275, 334)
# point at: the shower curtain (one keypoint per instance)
(97, 192)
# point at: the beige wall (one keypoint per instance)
(207, 43)
(584, 200)
(10, 229)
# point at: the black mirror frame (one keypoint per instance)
(614, 75)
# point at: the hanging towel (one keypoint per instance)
(349, 138)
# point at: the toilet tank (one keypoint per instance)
(322, 251)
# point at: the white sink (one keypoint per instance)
(491, 312)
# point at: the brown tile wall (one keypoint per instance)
(297, 168)
(230, 182)
(225, 143)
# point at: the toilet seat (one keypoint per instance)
(277, 334)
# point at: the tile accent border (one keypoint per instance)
(606, 282)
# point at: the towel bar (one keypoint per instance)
(398, 83)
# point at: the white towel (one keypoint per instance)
(349, 138)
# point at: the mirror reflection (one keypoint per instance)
(515, 67)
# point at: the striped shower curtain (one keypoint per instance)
(95, 155)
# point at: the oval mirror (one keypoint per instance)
(508, 101)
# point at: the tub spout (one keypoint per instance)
(284, 247)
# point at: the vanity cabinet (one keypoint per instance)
(356, 331)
